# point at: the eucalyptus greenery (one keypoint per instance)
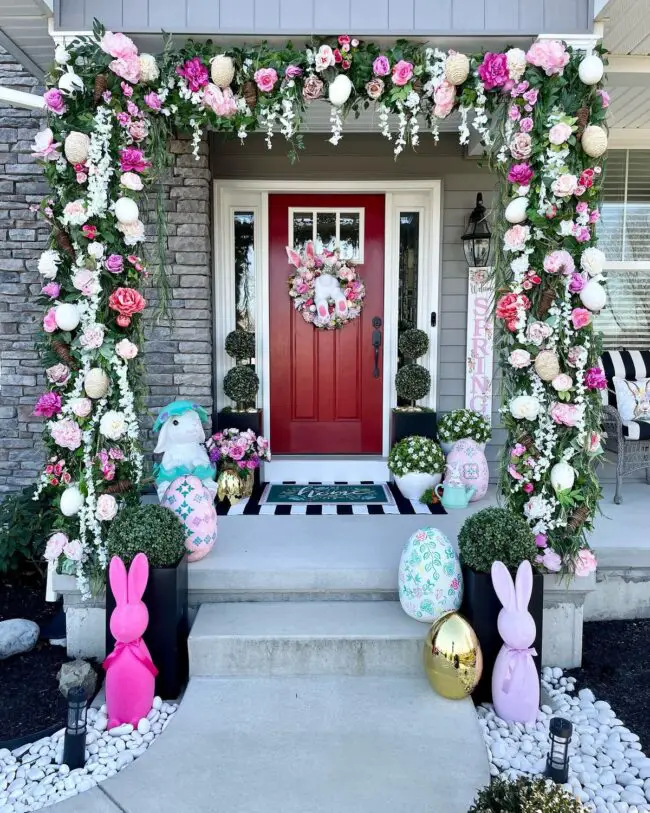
(412, 382)
(150, 529)
(414, 455)
(241, 384)
(525, 796)
(496, 535)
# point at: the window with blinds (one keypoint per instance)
(624, 236)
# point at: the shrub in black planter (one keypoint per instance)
(491, 535)
(525, 796)
(412, 382)
(159, 533)
(241, 385)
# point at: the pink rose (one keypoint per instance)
(325, 58)
(514, 113)
(494, 70)
(52, 289)
(582, 234)
(66, 433)
(595, 379)
(577, 283)
(604, 97)
(528, 488)
(521, 146)
(312, 88)
(49, 321)
(564, 414)
(592, 443)
(58, 374)
(152, 100)
(126, 68)
(374, 88)
(551, 560)
(515, 238)
(585, 563)
(381, 66)
(559, 133)
(55, 545)
(577, 356)
(562, 382)
(538, 332)
(265, 79)
(564, 186)
(129, 180)
(126, 349)
(221, 102)
(521, 174)
(114, 263)
(526, 125)
(517, 450)
(106, 507)
(559, 262)
(549, 55)
(512, 471)
(402, 73)
(444, 97)
(54, 101)
(580, 317)
(45, 147)
(84, 281)
(292, 72)
(81, 407)
(73, 550)
(118, 46)
(531, 96)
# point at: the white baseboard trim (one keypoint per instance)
(325, 468)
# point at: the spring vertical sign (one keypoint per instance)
(480, 341)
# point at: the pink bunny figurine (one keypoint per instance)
(130, 672)
(515, 682)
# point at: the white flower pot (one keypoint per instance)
(414, 484)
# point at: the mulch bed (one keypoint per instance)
(30, 700)
(616, 667)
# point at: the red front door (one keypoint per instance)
(326, 385)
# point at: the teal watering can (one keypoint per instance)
(454, 495)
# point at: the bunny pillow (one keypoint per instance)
(182, 444)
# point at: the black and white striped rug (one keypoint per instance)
(252, 505)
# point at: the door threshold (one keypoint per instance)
(326, 468)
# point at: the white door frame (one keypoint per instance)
(424, 197)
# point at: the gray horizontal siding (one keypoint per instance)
(303, 17)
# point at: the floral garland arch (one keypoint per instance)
(325, 290)
(110, 111)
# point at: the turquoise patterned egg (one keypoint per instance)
(188, 498)
(430, 578)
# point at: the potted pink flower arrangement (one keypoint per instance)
(237, 455)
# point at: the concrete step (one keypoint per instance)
(305, 638)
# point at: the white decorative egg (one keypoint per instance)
(193, 504)
(593, 296)
(516, 210)
(96, 383)
(340, 90)
(563, 476)
(76, 147)
(591, 70)
(126, 210)
(66, 316)
(72, 501)
(468, 458)
(222, 70)
(430, 578)
(594, 141)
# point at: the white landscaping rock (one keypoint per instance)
(17, 635)
(33, 776)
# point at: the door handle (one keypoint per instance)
(376, 343)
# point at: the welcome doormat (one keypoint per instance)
(258, 502)
(327, 494)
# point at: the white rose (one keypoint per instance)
(130, 180)
(519, 359)
(593, 261)
(112, 425)
(81, 407)
(48, 264)
(133, 232)
(148, 69)
(106, 507)
(565, 185)
(126, 349)
(535, 507)
(562, 382)
(324, 58)
(516, 63)
(96, 250)
(566, 228)
(61, 55)
(524, 407)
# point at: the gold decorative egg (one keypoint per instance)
(456, 69)
(222, 70)
(594, 141)
(453, 659)
(76, 147)
(96, 383)
(547, 365)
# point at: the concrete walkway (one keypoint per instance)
(304, 745)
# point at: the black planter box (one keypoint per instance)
(407, 423)
(166, 634)
(239, 420)
(481, 607)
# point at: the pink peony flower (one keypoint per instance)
(582, 234)
(265, 79)
(58, 374)
(118, 45)
(538, 332)
(564, 186)
(578, 282)
(114, 263)
(521, 146)
(152, 100)
(126, 68)
(519, 359)
(55, 545)
(521, 174)
(48, 405)
(582, 207)
(133, 160)
(49, 321)
(595, 379)
(551, 560)
(381, 66)
(444, 97)
(564, 414)
(126, 349)
(516, 237)
(195, 74)
(54, 101)
(585, 563)
(559, 262)
(73, 550)
(52, 289)
(66, 433)
(45, 147)
(127, 302)
(549, 55)
(559, 133)
(292, 72)
(580, 317)
(402, 73)
(84, 281)
(92, 336)
(494, 70)
(138, 130)
(221, 102)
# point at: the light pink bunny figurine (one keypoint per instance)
(130, 672)
(515, 682)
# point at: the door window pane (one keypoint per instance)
(409, 249)
(244, 225)
(303, 229)
(326, 231)
(349, 234)
(330, 229)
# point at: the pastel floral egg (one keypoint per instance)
(188, 498)
(468, 459)
(430, 578)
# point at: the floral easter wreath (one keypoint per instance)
(326, 291)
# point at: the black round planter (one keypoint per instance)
(481, 607)
(406, 423)
(166, 634)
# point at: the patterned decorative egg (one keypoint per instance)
(430, 578)
(188, 498)
(468, 459)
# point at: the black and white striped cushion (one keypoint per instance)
(636, 430)
(631, 365)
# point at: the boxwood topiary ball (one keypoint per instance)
(525, 795)
(412, 382)
(496, 535)
(240, 345)
(413, 343)
(149, 529)
(241, 384)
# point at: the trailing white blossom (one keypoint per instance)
(100, 162)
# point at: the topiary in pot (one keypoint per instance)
(412, 382)
(241, 384)
(413, 343)
(496, 534)
(149, 529)
(525, 796)
(240, 345)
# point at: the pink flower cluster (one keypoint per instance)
(106, 460)
(195, 74)
(239, 450)
(55, 472)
